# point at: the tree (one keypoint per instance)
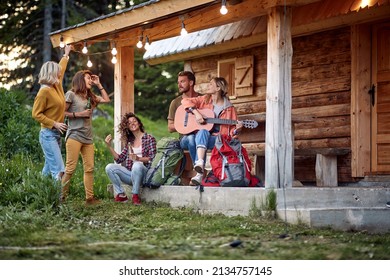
(25, 27)
(155, 87)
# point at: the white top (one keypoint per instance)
(138, 151)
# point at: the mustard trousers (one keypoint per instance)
(73, 149)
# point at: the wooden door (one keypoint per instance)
(380, 97)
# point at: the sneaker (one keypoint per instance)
(136, 200)
(121, 197)
(199, 165)
(197, 179)
(92, 201)
(388, 204)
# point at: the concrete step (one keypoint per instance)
(374, 220)
(344, 208)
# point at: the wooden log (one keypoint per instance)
(326, 171)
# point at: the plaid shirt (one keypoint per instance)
(148, 150)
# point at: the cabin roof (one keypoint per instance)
(189, 47)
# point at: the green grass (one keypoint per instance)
(156, 231)
(34, 226)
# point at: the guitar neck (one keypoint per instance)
(221, 121)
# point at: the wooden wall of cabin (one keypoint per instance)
(321, 86)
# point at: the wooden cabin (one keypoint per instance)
(315, 74)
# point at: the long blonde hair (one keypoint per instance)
(223, 87)
(49, 73)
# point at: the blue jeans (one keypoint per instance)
(50, 140)
(187, 142)
(202, 139)
(119, 174)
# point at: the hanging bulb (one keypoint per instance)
(85, 50)
(147, 44)
(183, 31)
(89, 63)
(114, 60)
(62, 44)
(114, 51)
(223, 9)
(139, 44)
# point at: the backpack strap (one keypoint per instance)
(182, 167)
(242, 160)
(224, 161)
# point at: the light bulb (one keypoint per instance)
(139, 44)
(147, 44)
(89, 63)
(223, 10)
(114, 60)
(85, 49)
(62, 44)
(114, 51)
(183, 31)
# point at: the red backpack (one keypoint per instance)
(230, 164)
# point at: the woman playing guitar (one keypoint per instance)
(215, 99)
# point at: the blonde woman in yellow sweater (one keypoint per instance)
(49, 111)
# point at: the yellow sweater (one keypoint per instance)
(49, 104)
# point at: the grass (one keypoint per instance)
(156, 231)
(33, 226)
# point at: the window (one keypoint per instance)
(238, 72)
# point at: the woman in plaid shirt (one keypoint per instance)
(138, 153)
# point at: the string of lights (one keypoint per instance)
(140, 44)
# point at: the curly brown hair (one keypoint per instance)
(80, 88)
(123, 128)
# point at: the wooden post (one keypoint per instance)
(123, 88)
(279, 159)
(360, 99)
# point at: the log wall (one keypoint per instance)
(321, 88)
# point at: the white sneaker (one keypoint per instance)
(197, 179)
(199, 165)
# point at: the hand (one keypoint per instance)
(67, 49)
(239, 126)
(198, 116)
(133, 157)
(96, 81)
(61, 127)
(108, 140)
(87, 113)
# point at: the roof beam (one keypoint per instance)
(161, 19)
(118, 21)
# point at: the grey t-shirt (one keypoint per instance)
(79, 129)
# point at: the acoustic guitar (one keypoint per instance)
(185, 122)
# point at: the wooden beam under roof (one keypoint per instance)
(163, 19)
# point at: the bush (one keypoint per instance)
(21, 183)
(19, 132)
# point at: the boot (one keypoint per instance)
(136, 199)
(92, 201)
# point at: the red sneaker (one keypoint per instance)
(136, 199)
(121, 197)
